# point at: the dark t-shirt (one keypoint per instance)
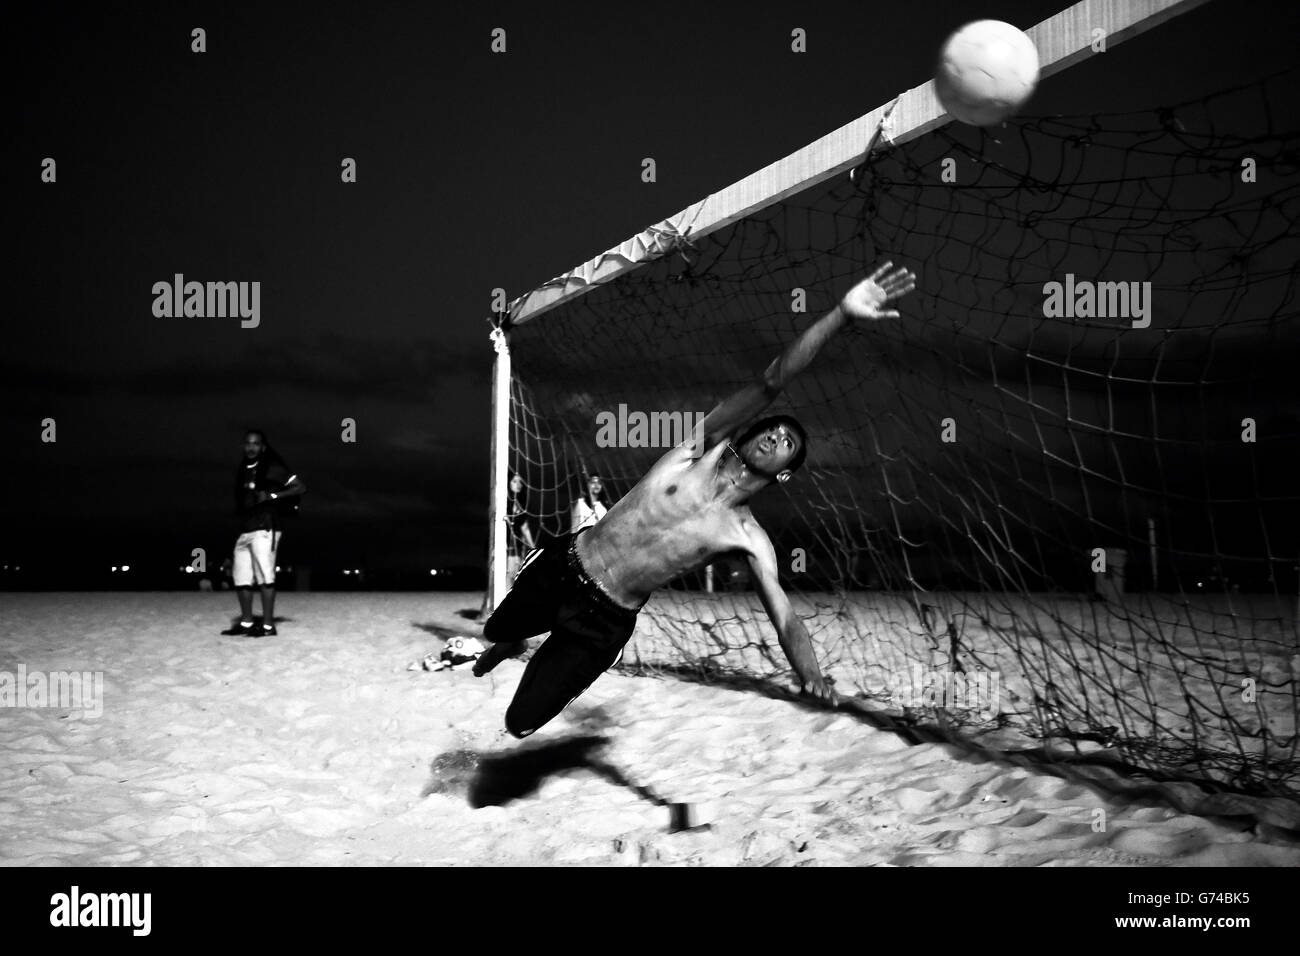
(267, 473)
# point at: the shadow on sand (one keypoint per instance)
(1105, 772)
(446, 633)
(494, 780)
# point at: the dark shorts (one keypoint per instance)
(553, 592)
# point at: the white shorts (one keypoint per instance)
(255, 558)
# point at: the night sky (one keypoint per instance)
(474, 170)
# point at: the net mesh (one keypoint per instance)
(973, 463)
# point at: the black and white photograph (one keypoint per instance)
(834, 435)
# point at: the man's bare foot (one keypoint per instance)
(496, 653)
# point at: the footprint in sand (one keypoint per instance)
(1163, 843)
(918, 801)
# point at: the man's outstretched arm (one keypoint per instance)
(865, 301)
(789, 629)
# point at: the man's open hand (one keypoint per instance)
(867, 299)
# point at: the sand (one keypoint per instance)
(319, 747)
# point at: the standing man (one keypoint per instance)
(520, 539)
(262, 484)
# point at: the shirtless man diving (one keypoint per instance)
(689, 508)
